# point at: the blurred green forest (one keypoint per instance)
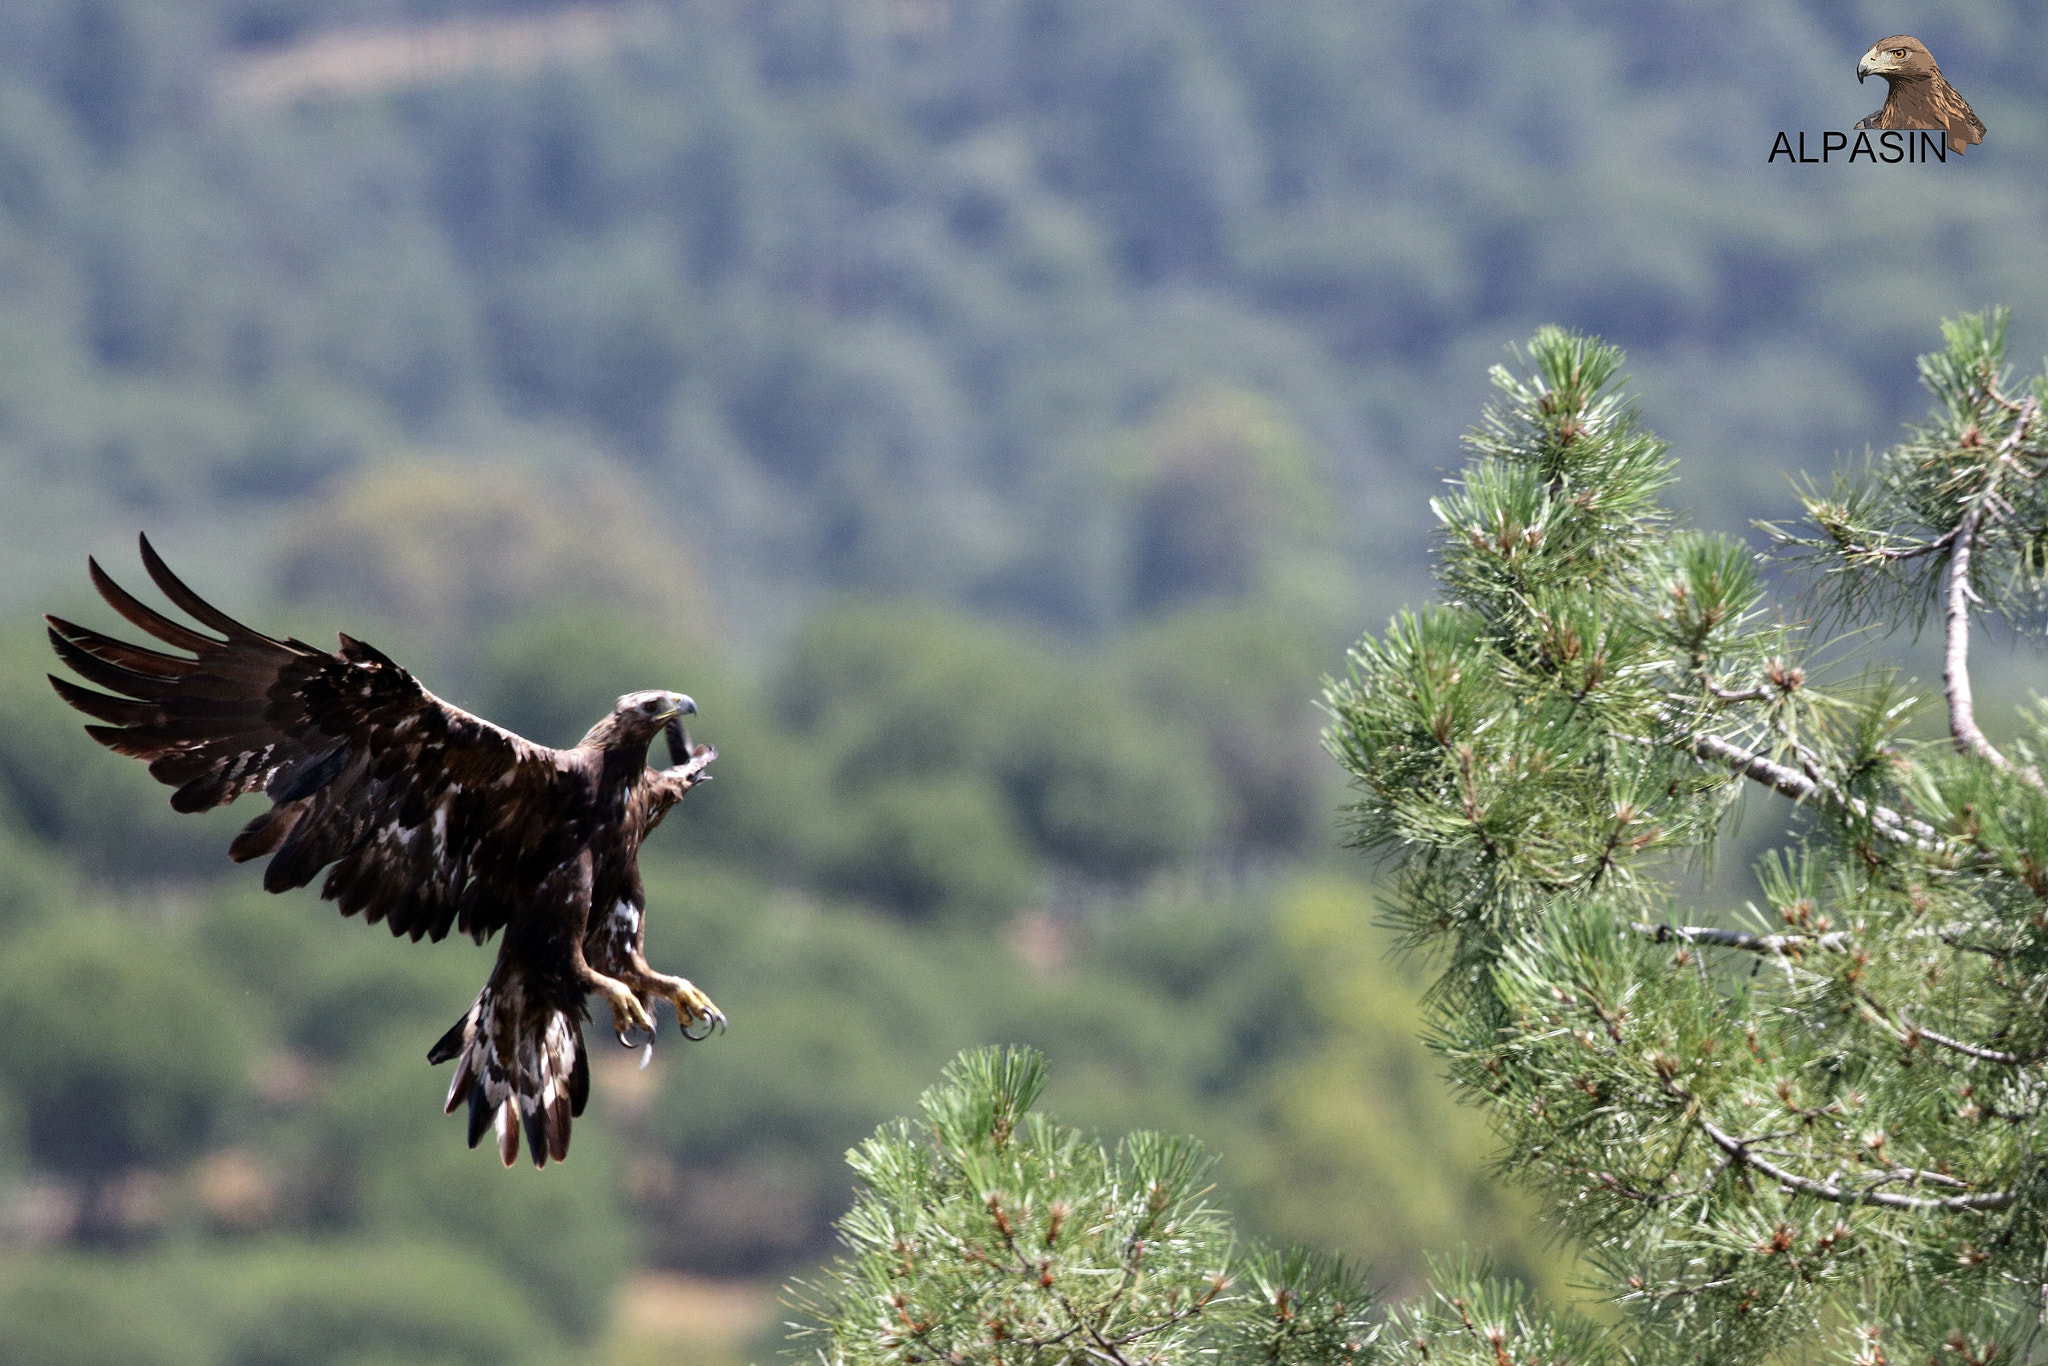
(998, 414)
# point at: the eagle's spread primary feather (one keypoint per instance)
(1919, 96)
(427, 818)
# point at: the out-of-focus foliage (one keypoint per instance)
(1231, 675)
(442, 549)
(563, 1244)
(868, 294)
(1158, 1014)
(1096, 785)
(372, 1301)
(77, 1312)
(341, 1304)
(1225, 499)
(92, 1111)
(1369, 1150)
(927, 844)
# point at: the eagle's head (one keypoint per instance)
(639, 717)
(1898, 58)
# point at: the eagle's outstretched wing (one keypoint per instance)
(433, 818)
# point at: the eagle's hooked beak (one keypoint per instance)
(1869, 65)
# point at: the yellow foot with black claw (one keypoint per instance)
(692, 1006)
(628, 1014)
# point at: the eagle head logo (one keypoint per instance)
(1919, 96)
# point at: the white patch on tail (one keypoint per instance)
(521, 1066)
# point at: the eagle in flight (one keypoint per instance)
(430, 818)
(1920, 97)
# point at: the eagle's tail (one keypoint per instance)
(520, 1064)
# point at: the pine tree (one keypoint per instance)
(1811, 1125)
(996, 1236)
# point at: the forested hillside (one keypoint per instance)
(876, 294)
(996, 413)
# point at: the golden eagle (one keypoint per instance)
(1920, 97)
(431, 818)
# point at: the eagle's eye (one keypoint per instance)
(651, 705)
(1898, 52)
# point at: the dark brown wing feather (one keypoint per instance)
(430, 817)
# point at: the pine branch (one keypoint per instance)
(1740, 1155)
(972, 1227)
(1898, 554)
(1969, 1049)
(1955, 661)
(1909, 1033)
(1955, 672)
(1785, 781)
(1834, 940)
(1790, 782)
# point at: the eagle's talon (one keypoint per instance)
(714, 1023)
(691, 1005)
(628, 1014)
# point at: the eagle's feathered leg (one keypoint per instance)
(618, 941)
(614, 944)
